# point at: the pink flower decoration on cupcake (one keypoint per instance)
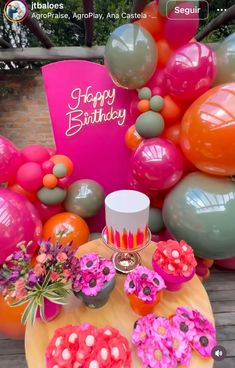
(144, 283)
(155, 354)
(203, 343)
(180, 347)
(176, 258)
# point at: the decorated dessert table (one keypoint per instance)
(117, 312)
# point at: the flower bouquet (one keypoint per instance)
(88, 346)
(43, 283)
(95, 281)
(143, 288)
(175, 262)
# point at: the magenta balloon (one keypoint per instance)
(10, 160)
(180, 27)
(227, 263)
(157, 83)
(190, 71)
(19, 220)
(157, 164)
(135, 185)
(47, 212)
(133, 108)
(35, 153)
(30, 176)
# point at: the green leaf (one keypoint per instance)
(33, 313)
(46, 280)
(42, 311)
(21, 301)
(27, 312)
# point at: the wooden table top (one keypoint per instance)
(117, 312)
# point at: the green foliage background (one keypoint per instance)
(64, 32)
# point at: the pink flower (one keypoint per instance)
(9, 258)
(143, 328)
(54, 276)
(204, 343)
(89, 262)
(180, 346)
(67, 273)
(20, 294)
(185, 325)
(155, 354)
(41, 258)
(39, 270)
(161, 329)
(202, 324)
(62, 257)
(144, 283)
(92, 284)
(20, 284)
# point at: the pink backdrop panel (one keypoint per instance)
(90, 116)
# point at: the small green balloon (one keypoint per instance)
(60, 170)
(156, 223)
(85, 198)
(156, 103)
(94, 236)
(51, 196)
(131, 56)
(225, 61)
(145, 93)
(200, 209)
(149, 124)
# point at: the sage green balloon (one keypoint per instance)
(130, 56)
(94, 236)
(59, 170)
(225, 60)
(85, 198)
(149, 124)
(156, 103)
(200, 209)
(165, 7)
(144, 93)
(156, 223)
(51, 196)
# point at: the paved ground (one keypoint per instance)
(221, 290)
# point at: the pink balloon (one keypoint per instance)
(227, 263)
(19, 220)
(47, 166)
(157, 164)
(133, 108)
(157, 83)
(35, 153)
(163, 235)
(10, 160)
(135, 185)
(190, 71)
(64, 182)
(181, 27)
(51, 151)
(47, 212)
(30, 176)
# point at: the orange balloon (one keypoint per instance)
(143, 105)
(10, 322)
(62, 159)
(172, 133)
(18, 189)
(164, 53)
(68, 225)
(208, 131)
(172, 110)
(50, 181)
(132, 138)
(153, 22)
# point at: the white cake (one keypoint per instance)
(127, 216)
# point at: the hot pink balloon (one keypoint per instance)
(157, 164)
(35, 153)
(181, 24)
(190, 71)
(30, 176)
(19, 220)
(10, 160)
(157, 83)
(133, 108)
(135, 185)
(227, 263)
(47, 212)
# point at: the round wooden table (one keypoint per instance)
(116, 312)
